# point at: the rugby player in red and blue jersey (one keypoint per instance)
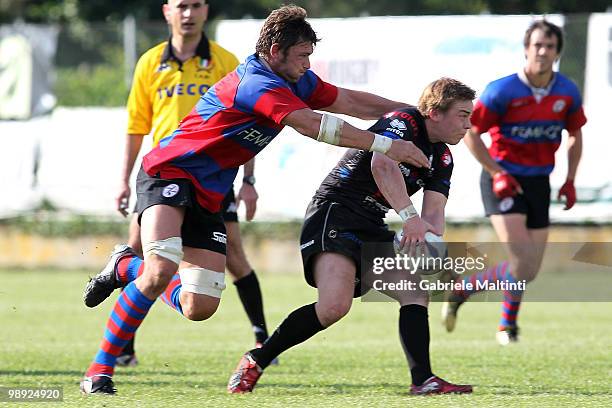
(525, 114)
(186, 176)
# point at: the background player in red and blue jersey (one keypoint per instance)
(185, 177)
(525, 114)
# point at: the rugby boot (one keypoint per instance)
(449, 311)
(98, 384)
(436, 385)
(507, 336)
(245, 376)
(103, 284)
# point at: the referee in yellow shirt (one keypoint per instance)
(168, 81)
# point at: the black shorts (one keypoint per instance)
(229, 209)
(333, 227)
(534, 202)
(201, 228)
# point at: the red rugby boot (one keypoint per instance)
(245, 376)
(436, 385)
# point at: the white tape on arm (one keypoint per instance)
(381, 144)
(330, 129)
(407, 213)
(202, 281)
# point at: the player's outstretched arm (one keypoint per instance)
(332, 130)
(362, 105)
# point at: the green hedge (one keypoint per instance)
(52, 224)
(55, 224)
(98, 85)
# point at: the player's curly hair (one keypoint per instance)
(441, 93)
(549, 29)
(286, 26)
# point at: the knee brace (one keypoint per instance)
(202, 281)
(169, 248)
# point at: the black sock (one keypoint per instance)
(129, 347)
(414, 334)
(250, 296)
(300, 325)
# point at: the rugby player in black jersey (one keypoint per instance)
(348, 210)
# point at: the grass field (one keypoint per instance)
(47, 338)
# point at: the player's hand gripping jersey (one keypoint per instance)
(525, 123)
(351, 182)
(232, 122)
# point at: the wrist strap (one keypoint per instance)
(407, 213)
(381, 144)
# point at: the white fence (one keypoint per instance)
(79, 151)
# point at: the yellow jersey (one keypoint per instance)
(164, 89)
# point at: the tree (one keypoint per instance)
(115, 10)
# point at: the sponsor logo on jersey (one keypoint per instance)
(558, 106)
(256, 137)
(343, 172)
(397, 132)
(398, 124)
(519, 102)
(219, 237)
(407, 117)
(536, 132)
(371, 201)
(446, 158)
(506, 204)
(170, 190)
(352, 164)
(164, 66)
(182, 89)
(306, 245)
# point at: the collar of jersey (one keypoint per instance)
(202, 51)
(538, 93)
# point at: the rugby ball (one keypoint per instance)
(431, 255)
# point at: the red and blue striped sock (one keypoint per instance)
(172, 294)
(493, 274)
(127, 315)
(129, 268)
(510, 306)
